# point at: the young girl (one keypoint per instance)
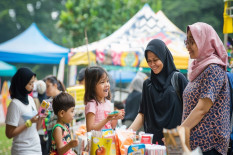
(63, 107)
(97, 100)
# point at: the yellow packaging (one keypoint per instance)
(78, 94)
(113, 146)
(100, 146)
(106, 132)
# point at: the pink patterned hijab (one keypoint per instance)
(210, 49)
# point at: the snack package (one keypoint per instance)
(146, 138)
(43, 108)
(135, 149)
(100, 146)
(106, 132)
(123, 137)
(113, 146)
(82, 140)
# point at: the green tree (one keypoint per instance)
(99, 18)
(17, 15)
(186, 12)
(102, 17)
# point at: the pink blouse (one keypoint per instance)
(100, 110)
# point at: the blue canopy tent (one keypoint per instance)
(7, 69)
(122, 76)
(32, 46)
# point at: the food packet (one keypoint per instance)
(123, 137)
(43, 108)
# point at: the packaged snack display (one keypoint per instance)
(113, 146)
(135, 149)
(100, 146)
(43, 108)
(106, 132)
(146, 138)
(123, 137)
(152, 149)
(78, 93)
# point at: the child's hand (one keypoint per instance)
(73, 143)
(121, 115)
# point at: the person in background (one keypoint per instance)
(207, 98)
(43, 133)
(41, 89)
(112, 87)
(22, 120)
(81, 76)
(97, 100)
(160, 107)
(118, 106)
(63, 107)
(133, 100)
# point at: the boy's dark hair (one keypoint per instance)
(118, 105)
(92, 76)
(53, 79)
(63, 101)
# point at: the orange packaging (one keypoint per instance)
(124, 137)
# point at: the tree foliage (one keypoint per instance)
(100, 18)
(186, 12)
(40, 13)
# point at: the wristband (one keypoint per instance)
(28, 123)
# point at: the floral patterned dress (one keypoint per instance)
(66, 138)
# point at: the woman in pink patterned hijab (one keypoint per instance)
(206, 98)
(210, 49)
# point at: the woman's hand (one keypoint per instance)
(44, 115)
(35, 118)
(163, 139)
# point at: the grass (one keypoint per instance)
(5, 143)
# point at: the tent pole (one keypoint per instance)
(68, 75)
(54, 70)
(225, 40)
(120, 86)
(86, 39)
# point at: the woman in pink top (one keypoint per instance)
(97, 100)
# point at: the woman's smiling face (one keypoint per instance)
(154, 62)
(191, 46)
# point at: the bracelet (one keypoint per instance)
(28, 123)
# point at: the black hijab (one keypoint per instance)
(18, 84)
(161, 80)
(160, 104)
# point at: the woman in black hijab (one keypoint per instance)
(22, 121)
(160, 107)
